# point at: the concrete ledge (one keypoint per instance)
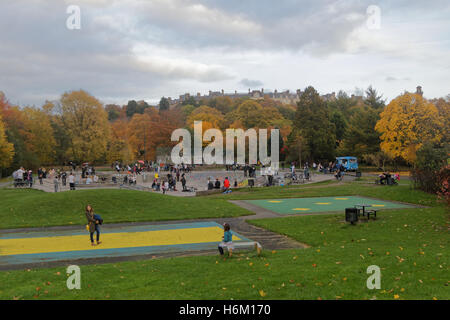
(208, 192)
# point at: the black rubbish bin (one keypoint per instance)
(351, 215)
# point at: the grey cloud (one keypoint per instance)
(250, 83)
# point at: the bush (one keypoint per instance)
(427, 169)
(444, 184)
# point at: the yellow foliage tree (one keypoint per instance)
(406, 124)
(212, 118)
(86, 123)
(42, 142)
(6, 148)
(119, 148)
(252, 114)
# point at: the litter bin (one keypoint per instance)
(351, 215)
(251, 182)
(358, 174)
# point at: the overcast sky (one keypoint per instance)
(137, 49)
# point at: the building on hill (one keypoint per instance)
(419, 90)
(286, 96)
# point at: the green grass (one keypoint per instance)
(402, 193)
(32, 208)
(409, 245)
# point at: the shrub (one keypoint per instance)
(444, 184)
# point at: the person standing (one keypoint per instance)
(56, 183)
(183, 182)
(40, 176)
(226, 184)
(20, 173)
(64, 178)
(71, 181)
(30, 178)
(93, 225)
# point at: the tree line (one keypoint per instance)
(79, 128)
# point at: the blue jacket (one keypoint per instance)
(227, 236)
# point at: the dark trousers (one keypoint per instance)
(97, 229)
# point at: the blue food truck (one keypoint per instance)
(349, 163)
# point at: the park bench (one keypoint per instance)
(371, 212)
(247, 244)
(366, 212)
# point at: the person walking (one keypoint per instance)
(93, 225)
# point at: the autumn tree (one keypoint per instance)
(251, 114)
(223, 104)
(42, 142)
(86, 123)
(211, 118)
(119, 148)
(16, 130)
(6, 148)
(406, 124)
(151, 130)
(114, 111)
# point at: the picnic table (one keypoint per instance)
(362, 209)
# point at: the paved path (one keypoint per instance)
(196, 179)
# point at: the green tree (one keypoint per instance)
(360, 137)
(340, 123)
(313, 127)
(373, 100)
(164, 104)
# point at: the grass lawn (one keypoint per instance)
(32, 208)
(402, 193)
(409, 245)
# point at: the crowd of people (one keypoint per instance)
(58, 177)
(141, 166)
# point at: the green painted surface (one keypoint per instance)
(323, 204)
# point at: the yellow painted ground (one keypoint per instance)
(111, 240)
